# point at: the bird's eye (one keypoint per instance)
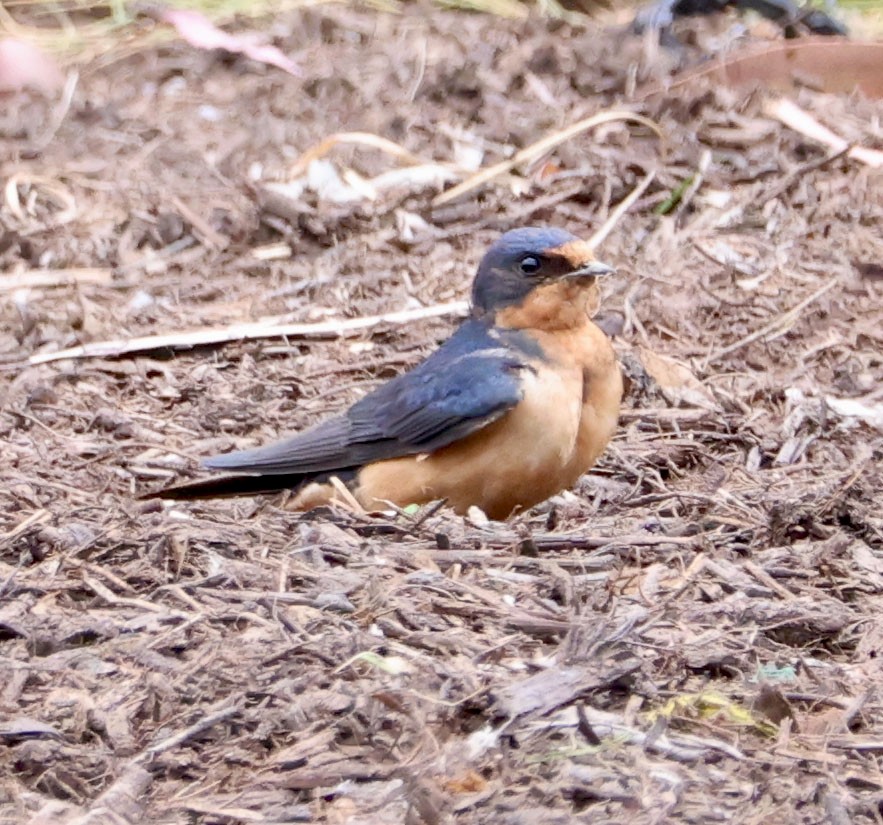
(529, 264)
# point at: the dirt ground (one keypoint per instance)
(692, 635)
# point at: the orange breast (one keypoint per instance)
(565, 420)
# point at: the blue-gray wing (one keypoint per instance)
(469, 382)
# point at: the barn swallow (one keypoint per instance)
(514, 407)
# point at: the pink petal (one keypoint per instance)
(23, 66)
(201, 33)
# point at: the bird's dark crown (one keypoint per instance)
(523, 259)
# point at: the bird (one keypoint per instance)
(660, 14)
(513, 408)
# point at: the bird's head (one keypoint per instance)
(538, 277)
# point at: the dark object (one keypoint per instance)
(870, 271)
(661, 14)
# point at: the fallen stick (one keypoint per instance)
(208, 721)
(792, 116)
(245, 332)
(778, 326)
(538, 149)
(621, 208)
(43, 278)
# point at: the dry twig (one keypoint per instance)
(246, 332)
(536, 150)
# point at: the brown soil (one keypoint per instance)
(691, 635)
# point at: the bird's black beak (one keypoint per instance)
(593, 269)
(580, 256)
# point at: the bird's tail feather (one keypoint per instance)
(241, 485)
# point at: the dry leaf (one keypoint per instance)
(201, 33)
(829, 64)
(870, 414)
(675, 380)
(469, 782)
(826, 722)
(22, 727)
